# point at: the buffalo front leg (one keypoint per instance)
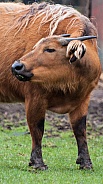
(79, 129)
(35, 118)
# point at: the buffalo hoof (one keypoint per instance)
(86, 167)
(84, 164)
(41, 167)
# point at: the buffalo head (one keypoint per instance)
(50, 59)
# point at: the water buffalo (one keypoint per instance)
(64, 75)
(59, 74)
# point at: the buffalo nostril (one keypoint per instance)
(20, 72)
(17, 66)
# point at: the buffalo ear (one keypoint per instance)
(75, 50)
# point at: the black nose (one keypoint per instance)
(17, 67)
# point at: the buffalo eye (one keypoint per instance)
(49, 50)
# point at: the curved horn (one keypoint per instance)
(82, 38)
(65, 41)
(65, 35)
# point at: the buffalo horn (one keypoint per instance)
(82, 38)
(65, 35)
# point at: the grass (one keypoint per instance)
(59, 153)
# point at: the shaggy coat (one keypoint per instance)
(55, 84)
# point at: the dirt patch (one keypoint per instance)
(14, 114)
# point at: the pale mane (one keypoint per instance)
(26, 15)
(11, 7)
(52, 13)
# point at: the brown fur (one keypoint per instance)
(19, 32)
(68, 84)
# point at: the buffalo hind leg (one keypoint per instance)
(83, 155)
(79, 129)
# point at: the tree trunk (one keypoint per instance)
(85, 7)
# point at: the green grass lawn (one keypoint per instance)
(59, 153)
